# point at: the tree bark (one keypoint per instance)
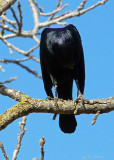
(5, 4)
(28, 105)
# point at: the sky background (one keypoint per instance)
(89, 142)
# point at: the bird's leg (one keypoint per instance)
(55, 86)
(55, 115)
(80, 96)
(80, 99)
(49, 98)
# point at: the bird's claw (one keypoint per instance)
(55, 103)
(49, 98)
(82, 99)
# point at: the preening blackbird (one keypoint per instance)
(62, 61)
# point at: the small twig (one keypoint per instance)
(21, 65)
(1, 68)
(54, 117)
(95, 118)
(22, 60)
(55, 11)
(11, 46)
(42, 142)
(40, 8)
(8, 20)
(3, 151)
(59, 3)
(62, 23)
(20, 136)
(3, 23)
(14, 15)
(70, 14)
(58, 7)
(6, 27)
(81, 5)
(20, 17)
(29, 70)
(10, 80)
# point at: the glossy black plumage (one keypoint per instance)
(62, 61)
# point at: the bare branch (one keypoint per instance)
(6, 27)
(55, 11)
(28, 105)
(82, 5)
(8, 81)
(3, 151)
(71, 14)
(20, 17)
(5, 4)
(58, 8)
(93, 6)
(8, 20)
(42, 142)
(3, 23)
(11, 46)
(17, 95)
(62, 23)
(20, 136)
(39, 7)
(14, 15)
(2, 69)
(29, 70)
(95, 118)
(8, 36)
(59, 3)
(35, 16)
(21, 65)
(15, 32)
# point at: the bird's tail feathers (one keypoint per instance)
(67, 123)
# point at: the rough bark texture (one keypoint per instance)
(5, 4)
(29, 105)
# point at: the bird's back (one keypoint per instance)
(60, 47)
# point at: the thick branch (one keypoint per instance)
(17, 95)
(5, 4)
(28, 105)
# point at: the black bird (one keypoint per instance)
(62, 61)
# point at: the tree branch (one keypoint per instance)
(17, 95)
(71, 14)
(13, 28)
(21, 65)
(20, 136)
(8, 81)
(5, 4)
(42, 142)
(28, 105)
(3, 151)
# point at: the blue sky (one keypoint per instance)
(89, 142)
